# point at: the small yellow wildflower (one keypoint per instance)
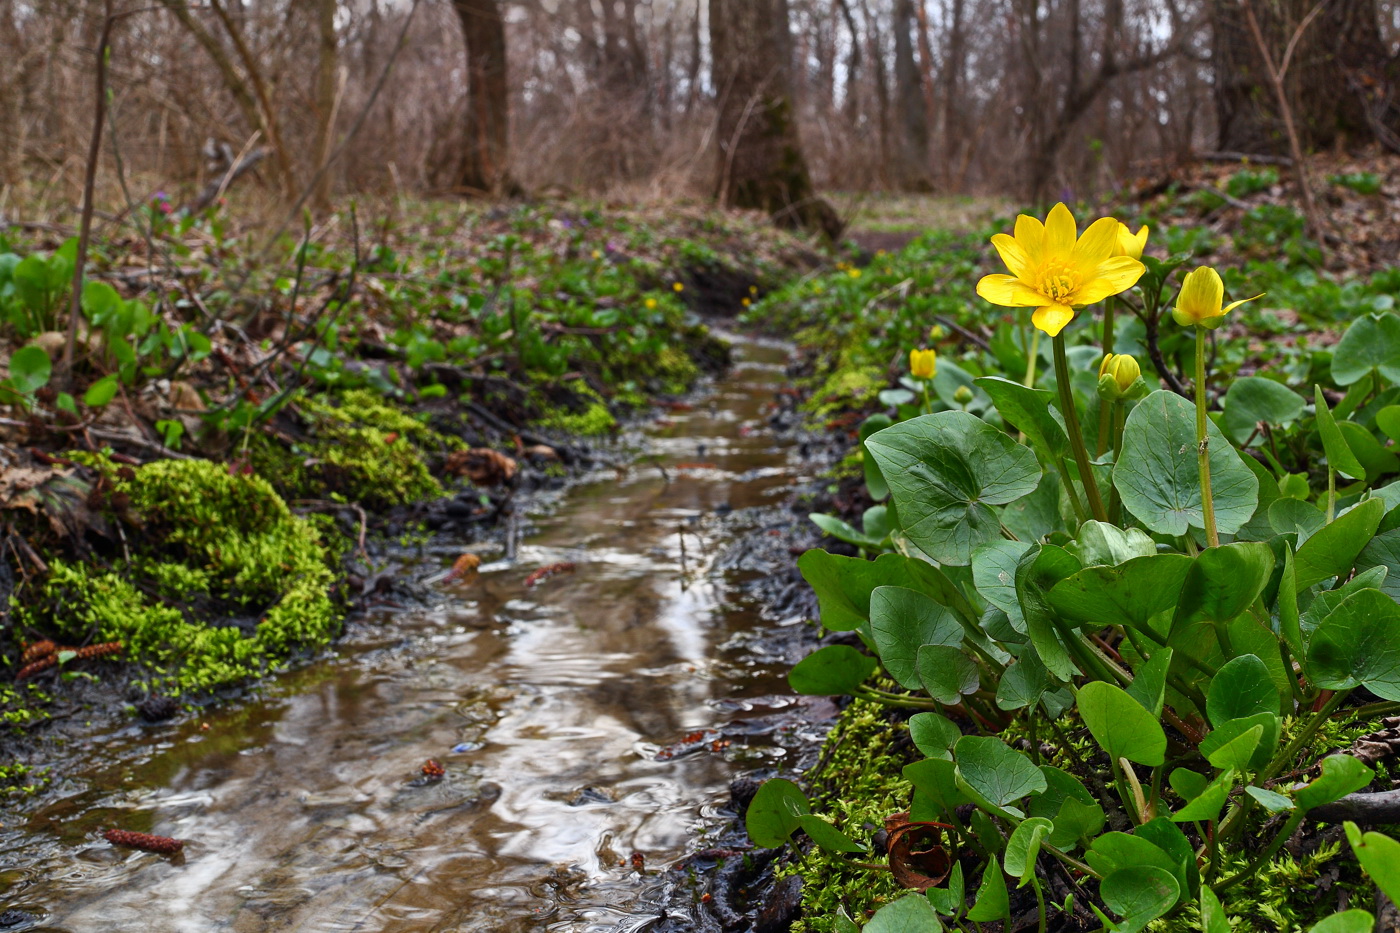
(651, 304)
(1130, 243)
(746, 302)
(1054, 270)
(678, 287)
(1199, 302)
(753, 289)
(854, 273)
(923, 363)
(597, 254)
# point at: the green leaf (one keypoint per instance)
(1157, 473)
(30, 369)
(1340, 775)
(1131, 593)
(912, 913)
(992, 902)
(1296, 517)
(1139, 895)
(936, 779)
(994, 575)
(1231, 749)
(1023, 847)
(1242, 687)
(1332, 551)
(1076, 820)
(1380, 856)
(903, 620)
(101, 392)
(1223, 582)
(945, 472)
(836, 670)
(1383, 551)
(1339, 455)
(947, 673)
(1371, 342)
(843, 584)
(1376, 460)
(1213, 919)
(1358, 644)
(991, 771)
(843, 531)
(827, 836)
(1205, 805)
(1149, 686)
(951, 900)
(1252, 399)
(1099, 543)
(934, 735)
(1347, 921)
(1120, 725)
(1388, 420)
(1270, 800)
(1023, 683)
(1037, 573)
(874, 479)
(1113, 851)
(775, 813)
(1030, 412)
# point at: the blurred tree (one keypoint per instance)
(1339, 76)
(486, 159)
(760, 155)
(326, 99)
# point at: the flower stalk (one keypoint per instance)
(1203, 442)
(1076, 436)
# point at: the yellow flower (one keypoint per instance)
(1055, 271)
(1130, 243)
(1200, 298)
(746, 302)
(753, 289)
(597, 254)
(1118, 373)
(854, 273)
(651, 304)
(678, 287)
(923, 363)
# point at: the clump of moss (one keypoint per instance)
(591, 419)
(215, 546)
(848, 387)
(859, 783)
(360, 447)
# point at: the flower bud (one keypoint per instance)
(1120, 377)
(923, 363)
(963, 395)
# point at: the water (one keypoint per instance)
(547, 706)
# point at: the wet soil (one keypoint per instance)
(588, 725)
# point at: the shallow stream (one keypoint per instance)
(559, 712)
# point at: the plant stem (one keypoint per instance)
(1331, 494)
(1120, 420)
(1032, 357)
(1203, 442)
(1076, 437)
(1079, 512)
(1288, 828)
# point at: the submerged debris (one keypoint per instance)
(482, 466)
(548, 571)
(46, 654)
(163, 845)
(433, 770)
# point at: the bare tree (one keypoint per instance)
(326, 98)
(760, 154)
(913, 167)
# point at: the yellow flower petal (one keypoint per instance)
(1097, 243)
(1052, 318)
(1114, 275)
(1060, 231)
(1030, 233)
(1200, 297)
(1130, 243)
(1014, 255)
(1235, 304)
(1009, 291)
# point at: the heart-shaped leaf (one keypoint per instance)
(1139, 895)
(836, 670)
(1332, 550)
(1120, 725)
(947, 674)
(904, 620)
(1358, 644)
(775, 813)
(1252, 399)
(1242, 687)
(992, 772)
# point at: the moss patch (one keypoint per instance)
(212, 545)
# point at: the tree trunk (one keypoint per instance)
(485, 162)
(1339, 66)
(760, 155)
(325, 100)
(954, 66)
(912, 171)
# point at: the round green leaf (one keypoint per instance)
(775, 812)
(101, 392)
(912, 913)
(1339, 455)
(1242, 687)
(1371, 342)
(902, 621)
(945, 472)
(994, 771)
(1132, 592)
(934, 735)
(1120, 725)
(1024, 846)
(835, 670)
(1139, 894)
(992, 902)
(1380, 856)
(1332, 550)
(30, 369)
(1157, 473)
(1348, 921)
(994, 575)
(1358, 644)
(827, 836)
(1341, 775)
(947, 673)
(1223, 582)
(1252, 399)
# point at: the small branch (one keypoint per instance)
(1372, 809)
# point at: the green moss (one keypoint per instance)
(591, 422)
(213, 545)
(858, 783)
(848, 387)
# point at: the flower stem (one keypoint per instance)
(1032, 357)
(1105, 425)
(1203, 442)
(1076, 437)
(1120, 420)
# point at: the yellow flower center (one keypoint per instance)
(1058, 281)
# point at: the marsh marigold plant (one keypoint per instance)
(1055, 270)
